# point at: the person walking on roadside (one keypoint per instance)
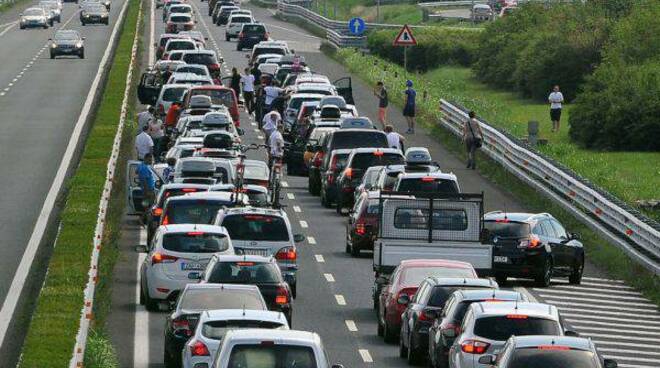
(172, 116)
(383, 102)
(472, 138)
(394, 139)
(145, 117)
(144, 145)
(236, 82)
(147, 181)
(157, 134)
(247, 84)
(556, 98)
(409, 107)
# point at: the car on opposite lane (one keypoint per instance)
(235, 24)
(94, 13)
(33, 18)
(250, 35)
(67, 42)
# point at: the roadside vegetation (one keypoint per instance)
(51, 335)
(458, 84)
(403, 12)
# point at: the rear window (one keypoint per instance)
(241, 19)
(443, 219)
(180, 18)
(427, 185)
(271, 356)
(254, 29)
(175, 192)
(257, 198)
(195, 242)
(256, 172)
(506, 230)
(256, 227)
(353, 139)
(245, 273)
(218, 96)
(174, 94)
(206, 299)
(180, 45)
(415, 275)
(199, 211)
(204, 59)
(440, 294)
(363, 161)
(297, 101)
(552, 358)
(502, 327)
(180, 9)
(269, 50)
(216, 330)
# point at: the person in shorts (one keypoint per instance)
(556, 98)
(409, 107)
(383, 102)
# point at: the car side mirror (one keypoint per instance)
(575, 236)
(380, 280)
(404, 299)
(610, 363)
(206, 38)
(240, 131)
(142, 248)
(221, 60)
(571, 333)
(299, 238)
(449, 333)
(487, 359)
(84, 38)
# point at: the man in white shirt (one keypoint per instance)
(143, 143)
(271, 92)
(556, 98)
(157, 135)
(145, 117)
(271, 121)
(276, 143)
(394, 139)
(247, 84)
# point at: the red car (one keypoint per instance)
(220, 95)
(405, 280)
(362, 225)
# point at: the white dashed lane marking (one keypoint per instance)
(291, 196)
(319, 258)
(303, 224)
(297, 209)
(340, 299)
(329, 277)
(366, 357)
(311, 240)
(350, 324)
(285, 184)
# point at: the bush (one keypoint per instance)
(435, 46)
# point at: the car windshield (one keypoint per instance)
(257, 198)
(66, 36)
(180, 45)
(195, 242)
(272, 356)
(206, 299)
(216, 330)
(204, 59)
(218, 96)
(427, 184)
(552, 358)
(256, 172)
(174, 94)
(245, 273)
(95, 8)
(269, 50)
(415, 275)
(440, 294)
(502, 327)
(363, 161)
(180, 18)
(256, 227)
(180, 9)
(34, 12)
(254, 29)
(357, 139)
(198, 211)
(505, 229)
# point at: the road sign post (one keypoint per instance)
(405, 38)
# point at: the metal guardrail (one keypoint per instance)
(451, 3)
(635, 234)
(340, 40)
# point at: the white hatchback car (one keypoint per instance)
(214, 324)
(235, 24)
(176, 257)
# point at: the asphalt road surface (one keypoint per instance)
(334, 290)
(40, 103)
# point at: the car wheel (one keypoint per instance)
(82, 54)
(294, 290)
(238, 47)
(59, 19)
(45, 26)
(414, 357)
(324, 199)
(168, 362)
(52, 56)
(142, 298)
(227, 38)
(380, 328)
(388, 335)
(107, 21)
(543, 278)
(440, 361)
(576, 276)
(500, 279)
(82, 23)
(403, 352)
(150, 304)
(355, 251)
(348, 247)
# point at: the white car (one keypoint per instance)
(170, 93)
(189, 79)
(235, 24)
(272, 348)
(178, 44)
(176, 257)
(198, 69)
(33, 17)
(214, 324)
(54, 8)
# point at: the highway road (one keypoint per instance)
(41, 101)
(334, 290)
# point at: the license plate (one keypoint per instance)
(252, 252)
(192, 266)
(500, 259)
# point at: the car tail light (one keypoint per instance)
(360, 228)
(267, 36)
(428, 179)
(161, 109)
(181, 325)
(474, 347)
(195, 233)
(198, 348)
(407, 291)
(318, 159)
(166, 220)
(333, 163)
(516, 316)
(349, 173)
(282, 295)
(553, 347)
(287, 254)
(189, 190)
(214, 67)
(157, 211)
(451, 326)
(425, 316)
(166, 56)
(378, 153)
(531, 243)
(263, 183)
(162, 258)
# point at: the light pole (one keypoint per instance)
(377, 11)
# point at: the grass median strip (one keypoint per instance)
(51, 335)
(603, 254)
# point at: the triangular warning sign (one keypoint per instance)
(405, 37)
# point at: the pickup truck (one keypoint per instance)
(429, 226)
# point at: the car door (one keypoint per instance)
(345, 89)
(565, 246)
(133, 189)
(149, 88)
(555, 244)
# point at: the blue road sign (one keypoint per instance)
(356, 26)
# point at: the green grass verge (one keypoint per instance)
(605, 255)
(627, 175)
(51, 335)
(389, 13)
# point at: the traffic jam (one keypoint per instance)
(222, 256)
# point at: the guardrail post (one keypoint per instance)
(532, 132)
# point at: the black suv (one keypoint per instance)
(533, 246)
(250, 35)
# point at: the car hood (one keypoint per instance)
(33, 17)
(66, 42)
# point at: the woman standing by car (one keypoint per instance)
(236, 82)
(473, 138)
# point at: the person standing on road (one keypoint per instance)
(271, 92)
(145, 117)
(157, 135)
(247, 83)
(147, 180)
(270, 123)
(276, 143)
(236, 82)
(394, 139)
(409, 107)
(144, 145)
(473, 138)
(556, 98)
(172, 116)
(383, 102)
(168, 172)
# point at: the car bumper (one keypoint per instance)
(63, 51)
(158, 280)
(94, 20)
(517, 264)
(362, 242)
(33, 24)
(174, 346)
